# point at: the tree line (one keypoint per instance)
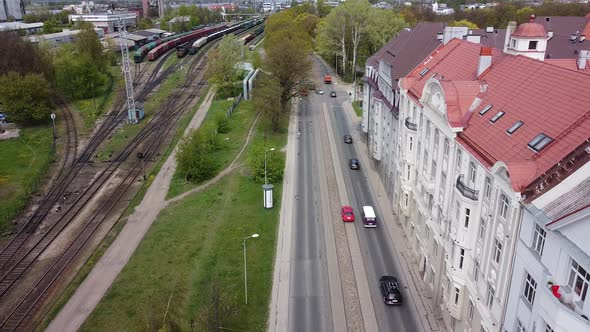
(31, 74)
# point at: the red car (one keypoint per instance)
(347, 213)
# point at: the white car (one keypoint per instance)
(320, 92)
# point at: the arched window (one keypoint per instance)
(504, 207)
(472, 173)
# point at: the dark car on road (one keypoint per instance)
(333, 94)
(354, 164)
(390, 290)
(347, 139)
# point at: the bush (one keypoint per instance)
(222, 122)
(194, 159)
(275, 164)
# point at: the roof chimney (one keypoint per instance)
(550, 34)
(583, 59)
(485, 60)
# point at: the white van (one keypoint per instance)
(369, 217)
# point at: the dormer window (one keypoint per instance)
(513, 43)
(540, 142)
(533, 45)
(497, 117)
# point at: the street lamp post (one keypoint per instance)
(265, 151)
(54, 134)
(245, 270)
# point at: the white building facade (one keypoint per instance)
(552, 268)
(459, 201)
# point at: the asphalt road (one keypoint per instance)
(309, 295)
(375, 243)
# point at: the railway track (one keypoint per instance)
(150, 138)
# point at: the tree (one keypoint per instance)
(308, 23)
(463, 23)
(221, 62)
(51, 26)
(145, 23)
(382, 26)
(22, 56)
(25, 99)
(357, 12)
(76, 74)
(88, 44)
(275, 162)
(194, 158)
(322, 8)
(266, 99)
(333, 34)
(288, 61)
(524, 14)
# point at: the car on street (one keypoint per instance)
(333, 94)
(354, 164)
(347, 139)
(303, 93)
(320, 92)
(390, 290)
(347, 213)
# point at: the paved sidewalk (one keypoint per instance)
(88, 295)
(429, 316)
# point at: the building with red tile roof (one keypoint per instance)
(474, 135)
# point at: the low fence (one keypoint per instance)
(233, 106)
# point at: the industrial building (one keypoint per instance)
(24, 28)
(11, 8)
(107, 21)
(56, 39)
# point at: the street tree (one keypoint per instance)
(194, 157)
(222, 61)
(275, 163)
(463, 23)
(357, 12)
(333, 33)
(267, 99)
(25, 98)
(382, 26)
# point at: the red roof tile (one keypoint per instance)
(528, 30)
(547, 98)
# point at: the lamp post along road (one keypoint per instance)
(265, 151)
(245, 269)
(54, 134)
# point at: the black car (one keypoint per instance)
(347, 139)
(333, 94)
(390, 290)
(354, 164)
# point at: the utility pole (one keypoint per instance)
(127, 72)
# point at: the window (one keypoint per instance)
(456, 295)
(457, 211)
(540, 142)
(446, 149)
(436, 139)
(530, 288)
(513, 43)
(435, 248)
(467, 216)
(472, 173)
(443, 181)
(482, 228)
(408, 172)
(458, 161)
(410, 143)
(433, 170)
(539, 239)
(427, 133)
(578, 280)
(470, 310)
(490, 296)
(488, 188)
(504, 206)
(485, 109)
(497, 116)
(476, 271)
(461, 258)
(497, 251)
(425, 161)
(519, 326)
(533, 45)
(514, 127)
(406, 199)
(548, 328)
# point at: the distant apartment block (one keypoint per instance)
(11, 9)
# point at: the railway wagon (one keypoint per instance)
(182, 50)
(249, 38)
(200, 42)
(163, 48)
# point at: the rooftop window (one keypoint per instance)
(485, 109)
(497, 117)
(514, 127)
(424, 71)
(540, 142)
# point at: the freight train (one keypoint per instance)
(156, 48)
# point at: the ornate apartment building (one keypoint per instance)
(462, 142)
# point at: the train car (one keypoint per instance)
(182, 50)
(200, 42)
(163, 48)
(249, 38)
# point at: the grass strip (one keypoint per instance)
(357, 108)
(24, 162)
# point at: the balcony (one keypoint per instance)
(410, 125)
(561, 310)
(467, 192)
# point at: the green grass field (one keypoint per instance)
(192, 258)
(357, 108)
(23, 163)
(90, 109)
(231, 142)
